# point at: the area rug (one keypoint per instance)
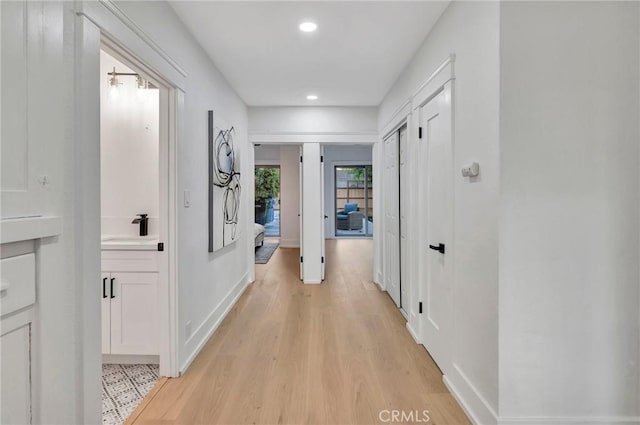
(123, 388)
(265, 252)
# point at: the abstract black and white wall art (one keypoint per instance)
(224, 185)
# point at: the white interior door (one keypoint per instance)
(300, 218)
(391, 218)
(436, 232)
(323, 216)
(404, 231)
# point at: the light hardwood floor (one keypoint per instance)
(288, 353)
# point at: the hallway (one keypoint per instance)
(335, 353)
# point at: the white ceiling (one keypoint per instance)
(353, 58)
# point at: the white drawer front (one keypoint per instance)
(129, 261)
(17, 283)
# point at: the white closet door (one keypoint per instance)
(404, 230)
(391, 218)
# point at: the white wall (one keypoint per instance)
(208, 282)
(313, 120)
(267, 155)
(333, 156)
(289, 196)
(129, 148)
(569, 211)
(470, 30)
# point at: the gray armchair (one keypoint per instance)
(350, 218)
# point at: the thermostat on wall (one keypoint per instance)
(471, 170)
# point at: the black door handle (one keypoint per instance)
(104, 287)
(112, 279)
(439, 248)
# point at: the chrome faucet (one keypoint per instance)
(144, 223)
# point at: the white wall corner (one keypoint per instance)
(215, 318)
(474, 405)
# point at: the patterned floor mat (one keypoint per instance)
(123, 388)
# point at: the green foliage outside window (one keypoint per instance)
(267, 183)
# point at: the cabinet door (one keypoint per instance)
(15, 376)
(134, 313)
(105, 293)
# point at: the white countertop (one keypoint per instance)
(26, 228)
(129, 243)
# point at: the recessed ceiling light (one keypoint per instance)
(308, 26)
(312, 97)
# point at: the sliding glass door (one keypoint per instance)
(354, 200)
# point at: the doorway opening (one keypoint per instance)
(277, 201)
(267, 199)
(353, 200)
(136, 222)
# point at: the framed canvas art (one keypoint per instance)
(224, 185)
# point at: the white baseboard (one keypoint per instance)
(130, 359)
(618, 420)
(469, 398)
(413, 333)
(311, 282)
(209, 326)
(289, 243)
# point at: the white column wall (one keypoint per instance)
(312, 214)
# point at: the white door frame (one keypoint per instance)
(104, 24)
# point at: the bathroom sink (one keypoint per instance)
(129, 242)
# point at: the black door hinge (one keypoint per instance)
(300, 158)
(420, 307)
(419, 132)
(322, 260)
(321, 158)
(160, 246)
(302, 259)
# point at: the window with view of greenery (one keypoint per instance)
(267, 183)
